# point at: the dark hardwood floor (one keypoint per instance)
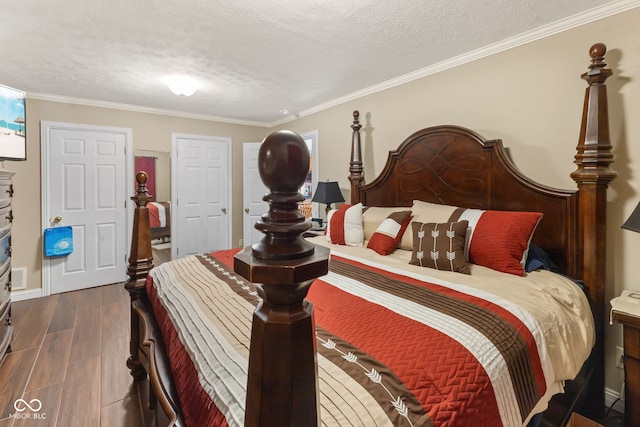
(69, 353)
(161, 255)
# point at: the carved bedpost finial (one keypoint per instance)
(594, 148)
(596, 68)
(140, 256)
(140, 263)
(356, 172)
(142, 196)
(283, 163)
(282, 380)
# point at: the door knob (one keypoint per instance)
(224, 210)
(57, 219)
(246, 210)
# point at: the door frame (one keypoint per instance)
(246, 191)
(175, 206)
(45, 167)
(313, 136)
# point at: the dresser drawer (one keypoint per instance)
(6, 329)
(6, 192)
(5, 250)
(6, 218)
(5, 286)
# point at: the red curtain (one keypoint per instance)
(147, 164)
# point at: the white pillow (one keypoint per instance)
(344, 225)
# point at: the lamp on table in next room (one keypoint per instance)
(327, 192)
(633, 222)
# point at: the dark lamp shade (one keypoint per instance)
(327, 193)
(633, 222)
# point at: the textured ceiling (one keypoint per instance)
(251, 58)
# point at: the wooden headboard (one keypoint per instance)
(455, 166)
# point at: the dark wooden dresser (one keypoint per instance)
(6, 218)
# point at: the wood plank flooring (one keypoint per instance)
(69, 353)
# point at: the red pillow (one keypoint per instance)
(389, 232)
(499, 239)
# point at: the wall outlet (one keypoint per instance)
(619, 358)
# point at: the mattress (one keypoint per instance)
(397, 344)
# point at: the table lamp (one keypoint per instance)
(327, 193)
(633, 222)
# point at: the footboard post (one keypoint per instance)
(140, 263)
(593, 176)
(282, 379)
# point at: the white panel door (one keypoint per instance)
(253, 190)
(85, 186)
(201, 200)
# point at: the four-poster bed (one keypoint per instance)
(176, 336)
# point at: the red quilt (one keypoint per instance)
(428, 354)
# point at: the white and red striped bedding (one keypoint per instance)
(395, 347)
(159, 214)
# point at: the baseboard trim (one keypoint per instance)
(26, 294)
(610, 396)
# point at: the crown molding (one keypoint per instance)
(574, 21)
(140, 109)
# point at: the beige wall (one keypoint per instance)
(150, 132)
(529, 96)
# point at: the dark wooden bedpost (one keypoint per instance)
(282, 380)
(356, 172)
(593, 177)
(140, 263)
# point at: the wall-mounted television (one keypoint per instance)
(13, 139)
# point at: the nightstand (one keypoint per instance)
(313, 232)
(626, 310)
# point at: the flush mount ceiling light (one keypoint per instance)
(182, 85)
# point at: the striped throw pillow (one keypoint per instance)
(389, 232)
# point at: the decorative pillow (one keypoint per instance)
(344, 226)
(498, 239)
(426, 212)
(389, 232)
(372, 216)
(440, 246)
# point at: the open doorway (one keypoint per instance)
(157, 165)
